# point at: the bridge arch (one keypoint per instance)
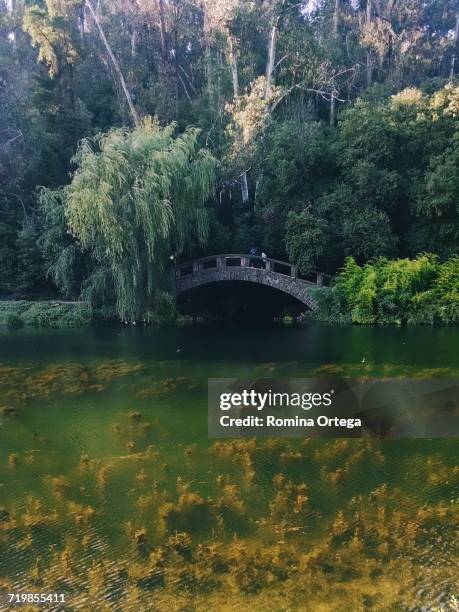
(236, 267)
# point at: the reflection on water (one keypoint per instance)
(111, 493)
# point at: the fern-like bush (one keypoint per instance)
(395, 292)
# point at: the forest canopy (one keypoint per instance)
(136, 132)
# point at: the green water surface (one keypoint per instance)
(101, 429)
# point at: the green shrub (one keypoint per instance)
(400, 291)
(44, 314)
(49, 314)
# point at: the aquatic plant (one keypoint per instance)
(232, 510)
(267, 524)
(19, 383)
(192, 513)
(140, 536)
(290, 504)
(168, 385)
(36, 515)
(7, 410)
(82, 515)
(60, 486)
(13, 459)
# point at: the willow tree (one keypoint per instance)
(137, 197)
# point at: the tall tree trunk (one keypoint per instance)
(134, 42)
(369, 62)
(70, 86)
(233, 66)
(116, 66)
(81, 23)
(336, 17)
(176, 68)
(453, 58)
(244, 188)
(271, 61)
(271, 58)
(208, 60)
(162, 29)
(209, 76)
(220, 62)
(235, 79)
(333, 108)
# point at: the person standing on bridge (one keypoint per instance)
(264, 256)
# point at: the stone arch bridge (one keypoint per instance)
(236, 267)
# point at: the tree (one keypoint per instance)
(221, 17)
(367, 234)
(137, 198)
(115, 63)
(341, 112)
(306, 239)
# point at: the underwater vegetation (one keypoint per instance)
(20, 383)
(108, 495)
(167, 385)
(269, 525)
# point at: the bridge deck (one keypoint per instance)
(280, 275)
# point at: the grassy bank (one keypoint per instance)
(54, 314)
(51, 314)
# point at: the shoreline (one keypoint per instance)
(66, 314)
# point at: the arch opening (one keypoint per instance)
(239, 300)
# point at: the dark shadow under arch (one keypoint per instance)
(239, 300)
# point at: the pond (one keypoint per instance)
(112, 495)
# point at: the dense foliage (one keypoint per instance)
(394, 292)
(334, 123)
(136, 197)
(18, 313)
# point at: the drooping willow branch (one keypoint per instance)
(137, 197)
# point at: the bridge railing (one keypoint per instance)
(238, 260)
